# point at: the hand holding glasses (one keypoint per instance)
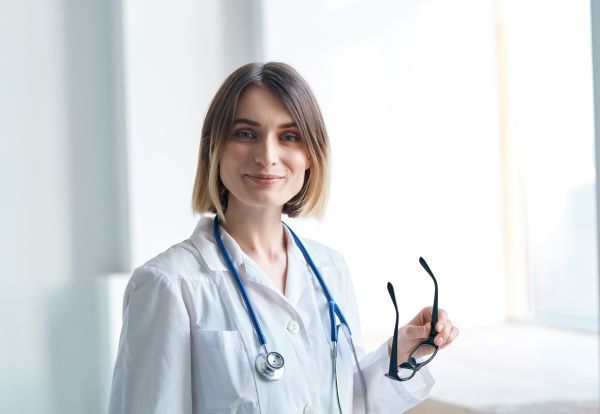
(425, 351)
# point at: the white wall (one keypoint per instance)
(61, 211)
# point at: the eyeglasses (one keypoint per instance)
(425, 351)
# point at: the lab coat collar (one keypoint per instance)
(205, 243)
(297, 277)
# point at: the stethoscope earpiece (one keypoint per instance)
(270, 366)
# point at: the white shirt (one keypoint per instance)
(188, 345)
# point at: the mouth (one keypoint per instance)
(265, 179)
(264, 176)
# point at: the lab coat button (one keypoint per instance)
(308, 409)
(293, 327)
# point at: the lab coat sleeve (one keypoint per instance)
(153, 369)
(383, 394)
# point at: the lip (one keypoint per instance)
(264, 179)
(264, 176)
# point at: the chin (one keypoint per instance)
(262, 202)
(262, 199)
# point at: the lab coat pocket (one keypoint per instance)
(223, 380)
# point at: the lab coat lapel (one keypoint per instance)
(298, 274)
(202, 238)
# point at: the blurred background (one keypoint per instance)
(462, 131)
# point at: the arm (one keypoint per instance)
(153, 369)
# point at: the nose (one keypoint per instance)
(267, 151)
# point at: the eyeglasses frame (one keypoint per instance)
(411, 362)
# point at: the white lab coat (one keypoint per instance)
(188, 346)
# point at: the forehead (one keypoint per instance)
(262, 105)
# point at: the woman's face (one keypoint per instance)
(264, 141)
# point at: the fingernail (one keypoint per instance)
(440, 327)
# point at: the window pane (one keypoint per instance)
(551, 112)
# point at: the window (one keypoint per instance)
(548, 131)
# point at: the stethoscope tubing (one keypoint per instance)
(261, 337)
(334, 309)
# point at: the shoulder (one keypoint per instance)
(176, 263)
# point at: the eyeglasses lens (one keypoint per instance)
(419, 357)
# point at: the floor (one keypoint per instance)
(437, 407)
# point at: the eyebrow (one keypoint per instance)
(257, 124)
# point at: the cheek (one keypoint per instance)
(232, 158)
(301, 161)
(300, 165)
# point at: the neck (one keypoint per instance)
(258, 231)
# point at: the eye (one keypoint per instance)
(244, 134)
(290, 138)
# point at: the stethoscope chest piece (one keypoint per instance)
(270, 366)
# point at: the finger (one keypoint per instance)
(442, 315)
(422, 317)
(453, 334)
(447, 329)
(416, 331)
(440, 326)
(441, 323)
(444, 330)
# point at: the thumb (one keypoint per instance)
(418, 332)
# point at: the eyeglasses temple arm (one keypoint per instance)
(434, 315)
(393, 369)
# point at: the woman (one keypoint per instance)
(234, 319)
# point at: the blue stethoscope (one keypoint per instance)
(270, 364)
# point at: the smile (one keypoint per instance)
(268, 180)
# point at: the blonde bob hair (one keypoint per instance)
(209, 194)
